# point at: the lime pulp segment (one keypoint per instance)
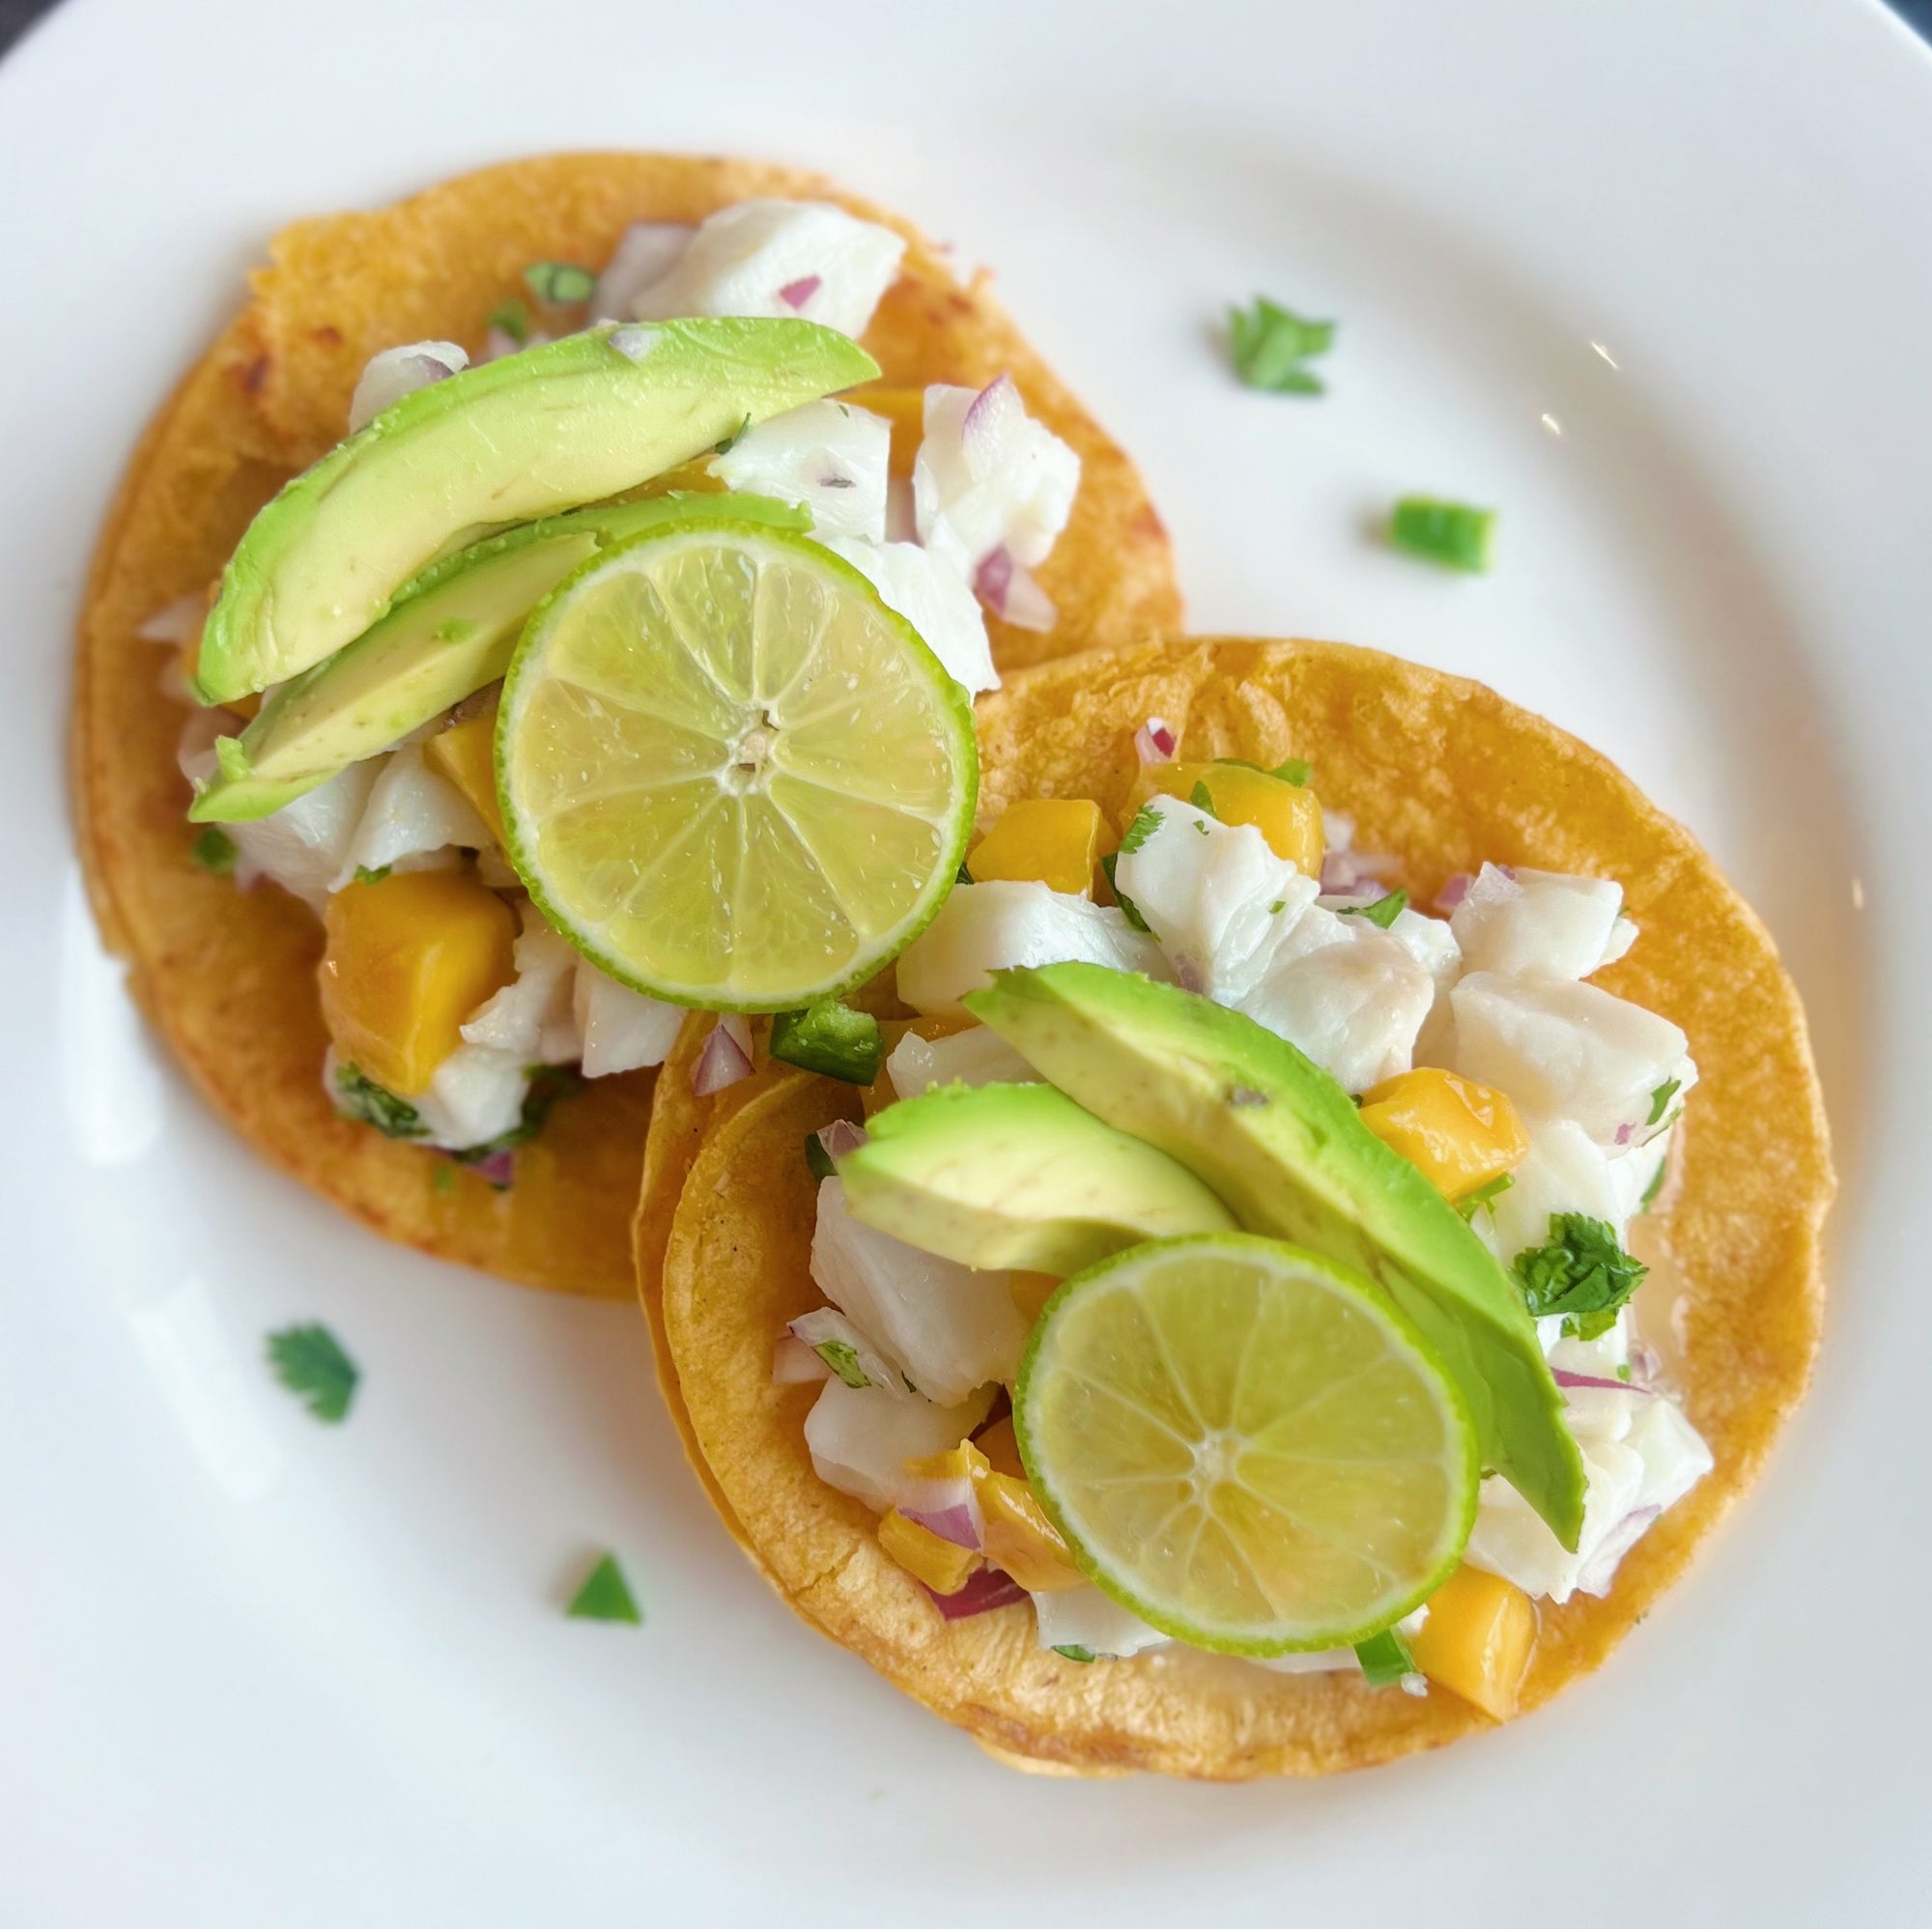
(730, 775)
(1246, 1445)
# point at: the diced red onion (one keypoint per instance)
(1564, 1377)
(985, 416)
(1354, 873)
(840, 1137)
(1028, 605)
(500, 1169)
(957, 1524)
(725, 1058)
(1626, 1133)
(1645, 1365)
(950, 1508)
(796, 294)
(795, 1364)
(1453, 890)
(992, 579)
(984, 1590)
(1154, 742)
(644, 254)
(1187, 973)
(1600, 1569)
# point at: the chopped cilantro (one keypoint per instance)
(1655, 1186)
(360, 1096)
(1383, 913)
(730, 441)
(1385, 1658)
(1623, 1372)
(1451, 533)
(1294, 770)
(310, 1361)
(843, 1357)
(1074, 1652)
(559, 284)
(1485, 1194)
(548, 1084)
(605, 1596)
(365, 876)
(1271, 346)
(1277, 907)
(1128, 908)
(817, 1160)
(1580, 1272)
(214, 850)
(1146, 821)
(1202, 799)
(443, 1178)
(513, 319)
(1661, 1097)
(963, 876)
(831, 1037)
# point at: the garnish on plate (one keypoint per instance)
(1273, 346)
(605, 1595)
(1455, 534)
(310, 1362)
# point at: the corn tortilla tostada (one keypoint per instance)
(1572, 900)
(473, 269)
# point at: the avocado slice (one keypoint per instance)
(1283, 1146)
(449, 631)
(550, 429)
(1018, 1175)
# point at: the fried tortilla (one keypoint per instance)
(229, 977)
(1442, 774)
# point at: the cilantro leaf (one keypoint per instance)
(1580, 1272)
(443, 1179)
(1485, 1194)
(962, 875)
(1655, 1186)
(1128, 908)
(1385, 1658)
(1294, 770)
(817, 1160)
(1146, 821)
(1451, 533)
(605, 1596)
(1074, 1652)
(365, 876)
(731, 440)
(1383, 913)
(310, 1361)
(843, 1357)
(1270, 345)
(513, 319)
(1661, 1097)
(1277, 907)
(559, 284)
(214, 850)
(360, 1096)
(831, 1038)
(1202, 799)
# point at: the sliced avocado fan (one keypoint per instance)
(447, 633)
(1282, 1144)
(1018, 1175)
(550, 429)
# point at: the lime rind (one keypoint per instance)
(953, 706)
(1401, 1336)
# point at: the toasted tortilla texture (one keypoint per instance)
(229, 977)
(1442, 774)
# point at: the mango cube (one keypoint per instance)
(1477, 1640)
(1020, 1540)
(925, 1555)
(1288, 815)
(1460, 1133)
(965, 1462)
(905, 410)
(466, 754)
(408, 959)
(1050, 840)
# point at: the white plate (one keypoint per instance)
(1651, 276)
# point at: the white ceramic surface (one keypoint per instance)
(1656, 278)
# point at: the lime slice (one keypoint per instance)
(1245, 1444)
(730, 775)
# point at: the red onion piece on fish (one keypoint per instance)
(983, 1592)
(1154, 742)
(840, 1137)
(725, 1058)
(994, 579)
(957, 1524)
(1028, 605)
(1453, 890)
(1564, 1377)
(985, 416)
(645, 255)
(796, 294)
